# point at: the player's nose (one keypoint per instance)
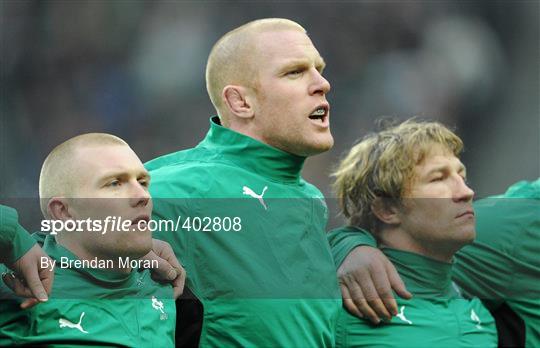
(139, 195)
(319, 85)
(462, 191)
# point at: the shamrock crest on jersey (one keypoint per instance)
(158, 306)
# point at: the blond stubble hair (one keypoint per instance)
(232, 58)
(58, 177)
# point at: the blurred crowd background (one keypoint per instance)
(136, 69)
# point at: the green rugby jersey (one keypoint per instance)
(15, 241)
(92, 307)
(503, 265)
(344, 239)
(436, 316)
(269, 283)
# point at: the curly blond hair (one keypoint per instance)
(382, 164)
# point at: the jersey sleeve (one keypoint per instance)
(502, 263)
(15, 241)
(344, 240)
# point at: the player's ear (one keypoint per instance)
(58, 208)
(238, 100)
(386, 210)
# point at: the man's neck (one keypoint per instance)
(398, 239)
(84, 254)
(246, 128)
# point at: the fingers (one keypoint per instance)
(178, 284)
(169, 269)
(164, 272)
(47, 279)
(374, 302)
(348, 303)
(168, 255)
(180, 279)
(371, 293)
(369, 278)
(396, 283)
(33, 282)
(360, 302)
(16, 285)
(364, 295)
(29, 303)
(381, 298)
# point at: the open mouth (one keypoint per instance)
(320, 113)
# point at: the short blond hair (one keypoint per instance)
(59, 170)
(231, 58)
(382, 165)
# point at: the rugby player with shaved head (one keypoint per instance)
(252, 231)
(96, 300)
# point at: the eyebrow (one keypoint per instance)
(319, 63)
(111, 175)
(445, 167)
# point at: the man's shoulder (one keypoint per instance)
(8, 218)
(508, 223)
(176, 159)
(311, 189)
(207, 174)
(524, 189)
(184, 173)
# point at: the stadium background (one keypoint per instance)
(136, 69)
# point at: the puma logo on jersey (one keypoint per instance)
(66, 323)
(401, 316)
(250, 192)
(476, 319)
(158, 306)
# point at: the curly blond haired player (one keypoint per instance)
(407, 186)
